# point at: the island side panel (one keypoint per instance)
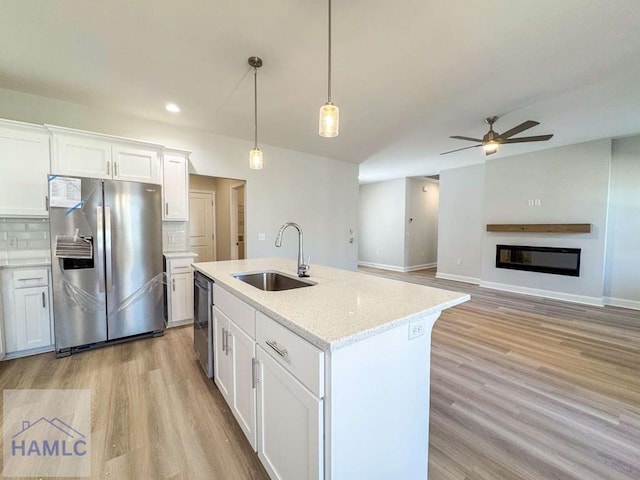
(377, 406)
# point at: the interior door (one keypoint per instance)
(202, 224)
(133, 258)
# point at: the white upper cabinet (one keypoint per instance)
(136, 164)
(175, 193)
(86, 154)
(24, 165)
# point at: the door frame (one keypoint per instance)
(213, 219)
(233, 219)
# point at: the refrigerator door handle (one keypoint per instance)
(107, 247)
(100, 247)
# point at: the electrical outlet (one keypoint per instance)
(417, 329)
(13, 242)
(537, 202)
(530, 203)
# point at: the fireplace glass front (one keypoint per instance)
(559, 261)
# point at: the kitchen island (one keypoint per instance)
(329, 381)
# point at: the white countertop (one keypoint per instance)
(344, 307)
(25, 262)
(179, 254)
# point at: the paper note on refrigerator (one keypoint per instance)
(64, 192)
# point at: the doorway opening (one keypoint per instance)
(217, 217)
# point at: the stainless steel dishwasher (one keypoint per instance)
(203, 321)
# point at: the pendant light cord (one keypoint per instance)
(329, 69)
(255, 106)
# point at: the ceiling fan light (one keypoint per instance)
(329, 120)
(255, 159)
(490, 147)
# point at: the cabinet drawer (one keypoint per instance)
(294, 353)
(180, 265)
(240, 312)
(30, 278)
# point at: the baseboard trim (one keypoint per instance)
(458, 278)
(395, 268)
(567, 297)
(381, 266)
(424, 266)
(622, 302)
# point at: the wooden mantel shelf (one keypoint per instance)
(540, 227)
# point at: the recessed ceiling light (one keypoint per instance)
(172, 107)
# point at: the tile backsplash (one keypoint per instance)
(24, 238)
(175, 236)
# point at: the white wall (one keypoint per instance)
(320, 194)
(622, 271)
(460, 223)
(572, 184)
(421, 221)
(382, 224)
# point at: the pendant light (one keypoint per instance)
(329, 113)
(255, 156)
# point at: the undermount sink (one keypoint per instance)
(272, 281)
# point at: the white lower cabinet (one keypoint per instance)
(234, 372)
(273, 381)
(290, 443)
(27, 313)
(179, 306)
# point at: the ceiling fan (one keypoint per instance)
(492, 140)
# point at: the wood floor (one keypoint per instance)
(154, 414)
(528, 388)
(521, 388)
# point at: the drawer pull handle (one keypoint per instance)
(184, 266)
(254, 372)
(29, 279)
(278, 349)
(224, 340)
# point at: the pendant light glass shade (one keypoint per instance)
(255, 155)
(329, 120)
(329, 114)
(255, 159)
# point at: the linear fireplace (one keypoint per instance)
(559, 261)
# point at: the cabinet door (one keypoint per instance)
(136, 164)
(181, 297)
(33, 326)
(24, 165)
(81, 156)
(243, 404)
(222, 361)
(175, 188)
(290, 431)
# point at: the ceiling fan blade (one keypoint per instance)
(464, 148)
(537, 138)
(520, 128)
(467, 138)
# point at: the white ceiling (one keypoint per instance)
(407, 74)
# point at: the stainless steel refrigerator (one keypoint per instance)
(106, 245)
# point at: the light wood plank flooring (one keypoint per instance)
(521, 388)
(528, 388)
(154, 414)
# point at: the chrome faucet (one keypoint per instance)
(303, 268)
